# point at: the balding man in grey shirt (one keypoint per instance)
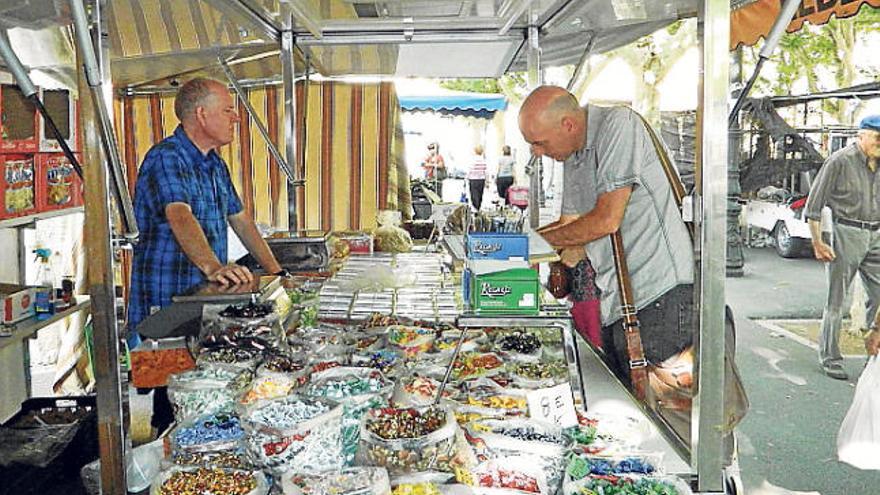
(848, 183)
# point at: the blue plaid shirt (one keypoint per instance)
(175, 171)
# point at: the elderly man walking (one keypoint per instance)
(848, 183)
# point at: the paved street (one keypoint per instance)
(788, 440)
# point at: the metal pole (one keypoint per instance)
(101, 286)
(735, 257)
(535, 78)
(786, 13)
(99, 100)
(288, 43)
(282, 163)
(713, 28)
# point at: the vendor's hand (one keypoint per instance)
(822, 251)
(231, 274)
(570, 257)
(872, 342)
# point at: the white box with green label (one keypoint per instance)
(502, 287)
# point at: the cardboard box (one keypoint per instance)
(58, 185)
(17, 302)
(497, 246)
(19, 133)
(18, 186)
(515, 290)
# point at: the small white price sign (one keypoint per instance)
(553, 405)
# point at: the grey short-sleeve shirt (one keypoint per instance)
(617, 153)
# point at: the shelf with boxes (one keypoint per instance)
(35, 176)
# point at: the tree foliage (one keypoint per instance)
(805, 55)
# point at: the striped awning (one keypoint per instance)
(753, 21)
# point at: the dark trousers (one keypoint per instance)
(503, 184)
(476, 187)
(667, 327)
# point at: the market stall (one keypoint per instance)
(151, 45)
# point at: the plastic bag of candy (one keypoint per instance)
(507, 476)
(413, 439)
(208, 432)
(543, 443)
(177, 480)
(627, 485)
(347, 481)
(199, 391)
(294, 432)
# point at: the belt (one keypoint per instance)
(858, 224)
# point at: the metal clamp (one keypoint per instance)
(638, 363)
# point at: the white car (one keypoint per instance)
(784, 221)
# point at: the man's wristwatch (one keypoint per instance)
(282, 273)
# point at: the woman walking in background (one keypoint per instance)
(477, 177)
(505, 173)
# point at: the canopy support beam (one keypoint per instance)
(282, 163)
(535, 78)
(288, 45)
(707, 416)
(99, 252)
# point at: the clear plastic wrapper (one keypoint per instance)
(390, 238)
(448, 339)
(385, 360)
(543, 442)
(295, 432)
(409, 440)
(178, 480)
(417, 391)
(472, 365)
(230, 356)
(411, 341)
(347, 481)
(193, 393)
(628, 485)
(206, 433)
(358, 390)
(230, 326)
(537, 375)
(269, 385)
(583, 465)
(514, 475)
(234, 458)
(519, 346)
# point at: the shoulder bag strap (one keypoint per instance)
(638, 365)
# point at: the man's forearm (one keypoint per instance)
(599, 222)
(250, 236)
(815, 231)
(191, 238)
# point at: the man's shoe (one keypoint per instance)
(835, 370)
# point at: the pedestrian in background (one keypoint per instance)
(435, 168)
(504, 179)
(477, 177)
(848, 183)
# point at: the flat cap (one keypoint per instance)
(871, 122)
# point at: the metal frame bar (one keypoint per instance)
(304, 15)
(100, 275)
(535, 78)
(303, 38)
(288, 46)
(256, 19)
(282, 163)
(514, 14)
(713, 28)
(102, 104)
